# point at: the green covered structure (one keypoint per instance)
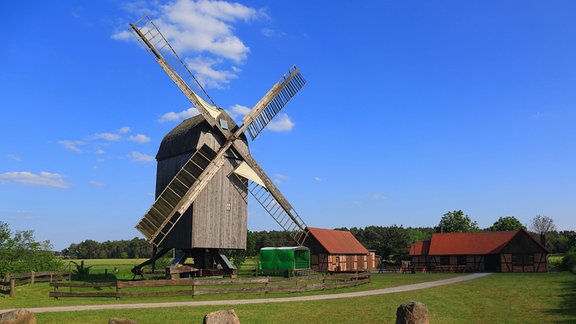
(284, 259)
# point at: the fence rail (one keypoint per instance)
(8, 286)
(196, 287)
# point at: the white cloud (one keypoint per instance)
(317, 179)
(202, 31)
(97, 183)
(140, 157)
(15, 157)
(279, 178)
(124, 130)
(139, 138)
(44, 179)
(238, 111)
(281, 123)
(206, 73)
(107, 136)
(172, 116)
(376, 196)
(72, 145)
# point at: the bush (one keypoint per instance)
(21, 253)
(569, 260)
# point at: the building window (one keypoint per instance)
(522, 259)
(445, 260)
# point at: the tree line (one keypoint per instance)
(20, 252)
(389, 242)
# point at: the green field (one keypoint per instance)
(498, 298)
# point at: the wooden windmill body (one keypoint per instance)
(205, 170)
(218, 217)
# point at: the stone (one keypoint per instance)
(222, 317)
(115, 320)
(18, 316)
(412, 312)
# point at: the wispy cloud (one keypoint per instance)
(140, 157)
(72, 145)
(237, 111)
(107, 136)
(203, 33)
(14, 157)
(178, 116)
(97, 142)
(43, 179)
(139, 138)
(279, 178)
(281, 123)
(97, 183)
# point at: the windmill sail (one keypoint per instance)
(273, 101)
(156, 44)
(167, 209)
(270, 197)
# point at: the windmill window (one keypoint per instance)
(224, 124)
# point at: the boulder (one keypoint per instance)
(412, 313)
(222, 317)
(115, 320)
(18, 316)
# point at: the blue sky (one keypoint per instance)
(412, 109)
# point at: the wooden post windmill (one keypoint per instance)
(205, 169)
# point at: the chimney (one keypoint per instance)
(543, 239)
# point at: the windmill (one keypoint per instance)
(205, 170)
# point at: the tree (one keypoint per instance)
(456, 221)
(542, 224)
(20, 252)
(506, 223)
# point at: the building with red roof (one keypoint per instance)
(337, 251)
(509, 251)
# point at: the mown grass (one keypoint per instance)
(498, 298)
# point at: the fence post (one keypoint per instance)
(31, 277)
(193, 285)
(12, 287)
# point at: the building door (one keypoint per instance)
(492, 263)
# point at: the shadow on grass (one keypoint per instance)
(567, 310)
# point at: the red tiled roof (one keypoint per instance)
(477, 243)
(337, 242)
(420, 248)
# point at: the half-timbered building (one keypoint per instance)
(508, 251)
(337, 251)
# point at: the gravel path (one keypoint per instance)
(391, 290)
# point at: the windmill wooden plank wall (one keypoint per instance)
(220, 213)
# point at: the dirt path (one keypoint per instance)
(391, 290)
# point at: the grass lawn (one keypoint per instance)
(498, 298)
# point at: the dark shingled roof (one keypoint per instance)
(184, 137)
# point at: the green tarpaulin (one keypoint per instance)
(284, 258)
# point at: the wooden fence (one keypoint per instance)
(196, 287)
(8, 286)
